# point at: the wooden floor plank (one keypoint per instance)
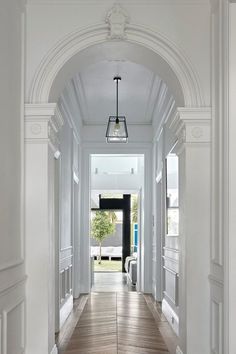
(116, 323)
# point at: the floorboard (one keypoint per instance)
(119, 323)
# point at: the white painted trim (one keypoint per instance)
(11, 264)
(75, 177)
(22, 128)
(70, 118)
(171, 316)
(103, 148)
(5, 313)
(159, 177)
(178, 350)
(66, 310)
(54, 350)
(13, 286)
(57, 154)
(84, 38)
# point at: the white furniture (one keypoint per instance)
(131, 269)
(107, 251)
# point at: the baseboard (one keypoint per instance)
(54, 350)
(66, 310)
(171, 316)
(178, 350)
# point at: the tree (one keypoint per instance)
(134, 208)
(102, 226)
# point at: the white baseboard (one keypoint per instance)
(54, 350)
(178, 350)
(171, 316)
(66, 310)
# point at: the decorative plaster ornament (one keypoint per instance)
(35, 129)
(117, 18)
(197, 132)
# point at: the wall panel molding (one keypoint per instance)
(11, 264)
(13, 285)
(12, 318)
(10, 311)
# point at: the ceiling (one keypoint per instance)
(142, 94)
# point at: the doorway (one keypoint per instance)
(115, 184)
(106, 239)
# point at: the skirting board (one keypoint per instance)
(178, 350)
(66, 310)
(171, 316)
(54, 350)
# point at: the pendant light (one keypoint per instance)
(116, 127)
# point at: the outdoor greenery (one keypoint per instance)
(106, 266)
(102, 226)
(134, 208)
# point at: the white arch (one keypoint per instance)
(81, 39)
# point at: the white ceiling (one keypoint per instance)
(142, 94)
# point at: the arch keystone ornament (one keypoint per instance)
(117, 18)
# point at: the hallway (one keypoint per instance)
(175, 62)
(122, 322)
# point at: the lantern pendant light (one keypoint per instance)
(116, 127)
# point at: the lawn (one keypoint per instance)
(107, 266)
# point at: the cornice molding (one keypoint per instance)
(40, 109)
(192, 125)
(42, 124)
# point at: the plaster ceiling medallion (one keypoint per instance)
(117, 18)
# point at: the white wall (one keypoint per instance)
(230, 215)
(114, 173)
(231, 262)
(12, 273)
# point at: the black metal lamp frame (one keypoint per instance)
(117, 135)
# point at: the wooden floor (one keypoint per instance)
(117, 322)
(111, 282)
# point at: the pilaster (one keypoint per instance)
(192, 127)
(42, 124)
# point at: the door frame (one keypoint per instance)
(145, 149)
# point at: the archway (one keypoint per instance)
(62, 62)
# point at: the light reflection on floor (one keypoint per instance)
(111, 282)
